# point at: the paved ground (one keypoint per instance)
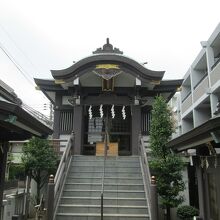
(13, 191)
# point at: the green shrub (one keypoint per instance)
(187, 212)
(16, 171)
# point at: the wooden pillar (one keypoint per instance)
(77, 128)
(3, 160)
(56, 125)
(136, 128)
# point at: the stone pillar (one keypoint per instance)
(50, 198)
(154, 199)
(201, 192)
(136, 128)
(77, 128)
(3, 159)
(206, 191)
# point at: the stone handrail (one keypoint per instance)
(150, 183)
(103, 174)
(144, 162)
(62, 168)
(55, 185)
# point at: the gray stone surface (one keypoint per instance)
(124, 195)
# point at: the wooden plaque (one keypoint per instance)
(112, 149)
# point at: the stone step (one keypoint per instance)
(107, 186)
(107, 174)
(107, 169)
(67, 208)
(107, 163)
(116, 160)
(85, 179)
(96, 216)
(107, 201)
(121, 158)
(124, 195)
(107, 193)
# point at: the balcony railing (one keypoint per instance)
(187, 103)
(201, 89)
(215, 74)
(197, 84)
(215, 64)
(188, 94)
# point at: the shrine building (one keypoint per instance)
(105, 91)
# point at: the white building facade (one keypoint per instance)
(198, 127)
(201, 86)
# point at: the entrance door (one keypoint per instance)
(118, 120)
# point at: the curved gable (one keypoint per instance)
(107, 56)
(126, 64)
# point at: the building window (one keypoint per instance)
(145, 121)
(66, 122)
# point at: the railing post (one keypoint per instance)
(4, 203)
(103, 173)
(27, 197)
(50, 198)
(72, 140)
(154, 199)
(102, 206)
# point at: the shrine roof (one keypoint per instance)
(15, 122)
(107, 55)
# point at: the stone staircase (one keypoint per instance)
(124, 195)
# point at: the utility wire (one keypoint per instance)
(8, 35)
(20, 69)
(38, 115)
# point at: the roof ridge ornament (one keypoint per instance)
(107, 48)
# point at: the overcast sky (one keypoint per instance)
(40, 35)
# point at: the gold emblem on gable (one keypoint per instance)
(155, 82)
(107, 71)
(59, 81)
(107, 66)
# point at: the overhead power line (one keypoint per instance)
(20, 69)
(16, 45)
(38, 115)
